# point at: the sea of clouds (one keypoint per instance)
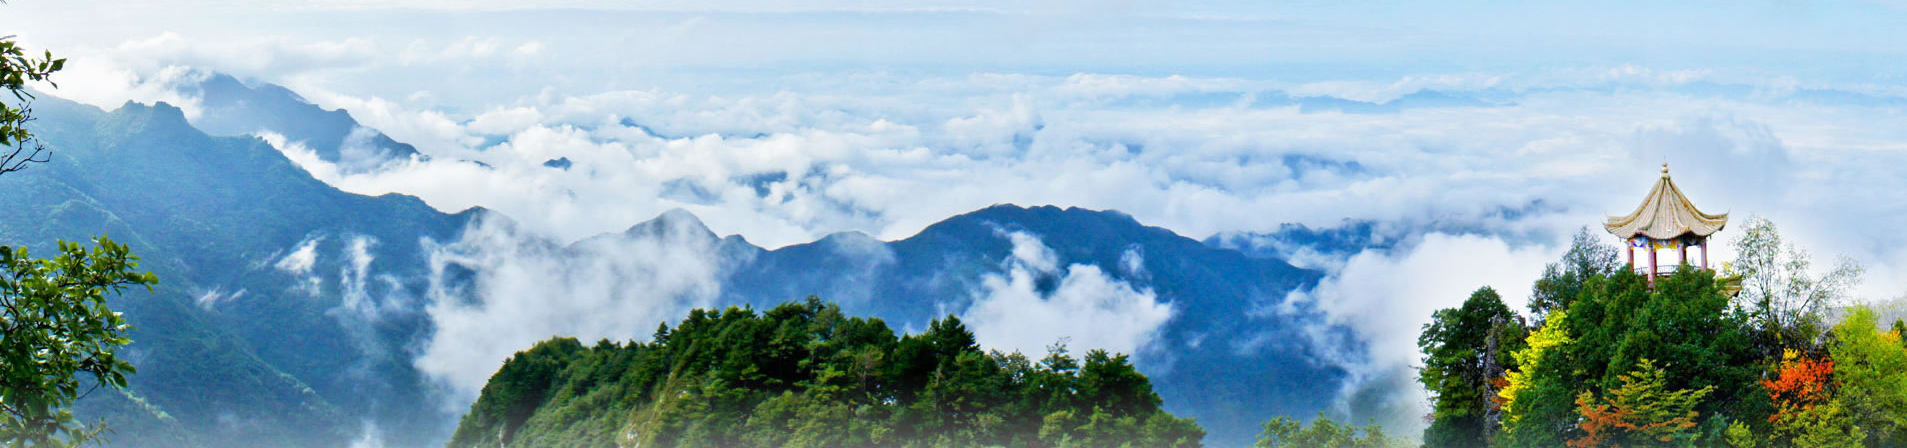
(1518, 174)
(785, 147)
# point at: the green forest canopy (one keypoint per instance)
(1698, 358)
(804, 375)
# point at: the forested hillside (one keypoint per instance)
(292, 313)
(233, 347)
(805, 375)
(1751, 355)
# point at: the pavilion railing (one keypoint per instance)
(1662, 271)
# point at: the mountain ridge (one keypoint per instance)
(319, 299)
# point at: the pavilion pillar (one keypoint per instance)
(1630, 245)
(1652, 264)
(1666, 212)
(1704, 254)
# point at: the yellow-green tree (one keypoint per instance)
(1529, 359)
(1599, 343)
(1871, 369)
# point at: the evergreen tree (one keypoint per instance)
(1467, 350)
(1323, 432)
(1563, 280)
(1618, 322)
(1900, 331)
(804, 375)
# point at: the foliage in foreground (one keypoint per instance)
(1283, 432)
(55, 327)
(54, 321)
(1740, 359)
(804, 375)
(1466, 351)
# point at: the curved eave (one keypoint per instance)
(1666, 214)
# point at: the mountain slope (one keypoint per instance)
(225, 344)
(293, 314)
(230, 107)
(1221, 358)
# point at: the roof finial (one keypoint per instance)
(1665, 170)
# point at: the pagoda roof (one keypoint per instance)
(1665, 214)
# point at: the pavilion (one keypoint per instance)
(1666, 220)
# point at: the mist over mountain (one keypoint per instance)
(290, 313)
(250, 339)
(294, 313)
(228, 106)
(357, 211)
(1220, 354)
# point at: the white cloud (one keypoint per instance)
(500, 289)
(353, 279)
(108, 85)
(210, 299)
(302, 257)
(1087, 309)
(246, 57)
(505, 121)
(299, 262)
(1166, 111)
(786, 158)
(1386, 298)
(891, 154)
(1133, 261)
(368, 436)
(1383, 92)
(1031, 253)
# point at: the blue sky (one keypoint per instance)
(656, 44)
(786, 121)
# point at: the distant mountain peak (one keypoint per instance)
(1051, 210)
(232, 107)
(674, 222)
(166, 113)
(1046, 219)
(850, 236)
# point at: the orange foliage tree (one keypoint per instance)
(1800, 384)
(1642, 412)
(1807, 413)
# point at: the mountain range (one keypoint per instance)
(290, 313)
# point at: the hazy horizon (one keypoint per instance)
(1479, 135)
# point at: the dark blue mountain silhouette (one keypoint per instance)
(238, 348)
(230, 107)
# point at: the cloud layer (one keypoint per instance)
(1387, 297)
(784, 122)
(500, 289)
(1516, 167)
